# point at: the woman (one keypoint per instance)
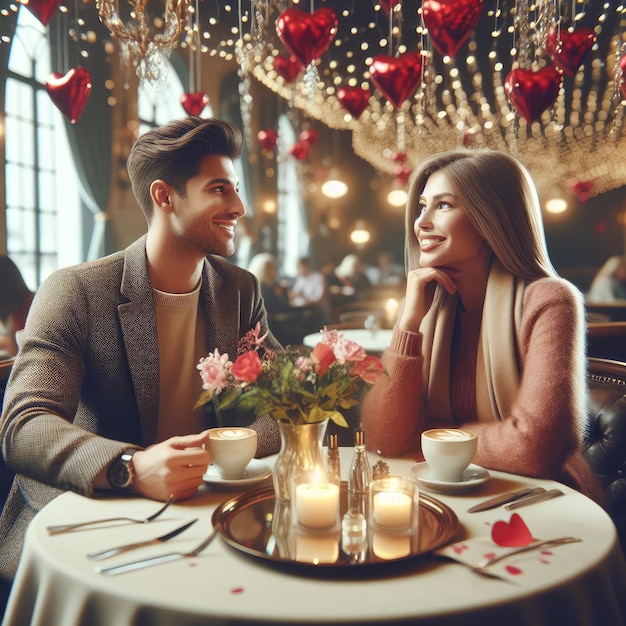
(489, 336)
(609, 284)
(14, 303)
(263, 266)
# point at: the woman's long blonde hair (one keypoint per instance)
(501, 202)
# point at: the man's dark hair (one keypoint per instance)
(173, 153)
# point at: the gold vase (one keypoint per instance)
(300, 451)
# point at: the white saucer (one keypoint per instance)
(473, 477)
(255, 472)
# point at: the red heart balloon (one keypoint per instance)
(194, 103)
(70, 92)
(307, 35)
(397, 78)
(287, 67)
(309, 137)
(300, 150)
(531, 93)
(267, 138)
(354, 99)
(572, 49)
(450, 22)
(513, 533)
(388, 5)
(43, 10)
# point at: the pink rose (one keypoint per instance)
(370, 369)
(323, 356)
(214, 370)
(347, 350)
(247, 367)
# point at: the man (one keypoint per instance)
(102, 392)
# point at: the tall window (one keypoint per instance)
(43, 205)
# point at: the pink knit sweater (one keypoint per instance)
(542, 435)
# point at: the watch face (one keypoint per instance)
(119, 474)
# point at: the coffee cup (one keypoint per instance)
(232, 448)
(448, 452)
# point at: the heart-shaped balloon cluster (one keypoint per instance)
(306, 140)
(43, 10)
(287, 66)
(307, 35)
(450, 22)
(354, 99)
(397, 78)
(532, 92)
(70, 92)
(194, 103)
(582, 189)
(570, 49)
(267, 138)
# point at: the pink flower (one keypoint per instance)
(323, 356)
(247, 367)
(347, 350)
(370, 369)
(214, 371)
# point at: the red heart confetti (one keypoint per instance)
(511, 534)
(307, 35)
(450, 22)
(70, 92)
(237, 590)
(459, 548)
(514, 571)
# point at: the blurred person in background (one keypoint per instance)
(15, 303)
(609, 284)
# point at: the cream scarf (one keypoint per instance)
(497, 373)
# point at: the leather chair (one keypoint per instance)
(605, 446)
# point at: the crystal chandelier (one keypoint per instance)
(139, 48)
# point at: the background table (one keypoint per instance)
(374, 341)
(56, 584)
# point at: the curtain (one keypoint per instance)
(91, 137)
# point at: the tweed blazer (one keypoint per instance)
(87, 375)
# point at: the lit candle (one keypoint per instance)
(392, 509)
(317, 505)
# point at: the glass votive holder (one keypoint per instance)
(391, 546)
(316, 501)
(394, 504)
(316, 547)
(354, 537)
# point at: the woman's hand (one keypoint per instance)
(420, 288)
(175, 466)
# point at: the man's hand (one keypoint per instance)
(175, 466)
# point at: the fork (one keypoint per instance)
(536, 545)
(63, 528)
(156, 560)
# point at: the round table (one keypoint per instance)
(57, 584)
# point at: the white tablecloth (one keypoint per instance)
(56, 584)
(374, 341)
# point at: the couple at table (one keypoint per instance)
(102, 392)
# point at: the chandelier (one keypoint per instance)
(140, 49)
(566, 127)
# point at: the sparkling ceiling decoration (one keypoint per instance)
(541, 80)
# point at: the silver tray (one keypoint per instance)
(255, 524)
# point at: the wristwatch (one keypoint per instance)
(120, 473)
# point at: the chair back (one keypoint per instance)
(605, 446)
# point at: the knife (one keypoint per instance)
(503, 498)
(105, 554)
(540, 497)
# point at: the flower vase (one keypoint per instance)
(300, 451)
